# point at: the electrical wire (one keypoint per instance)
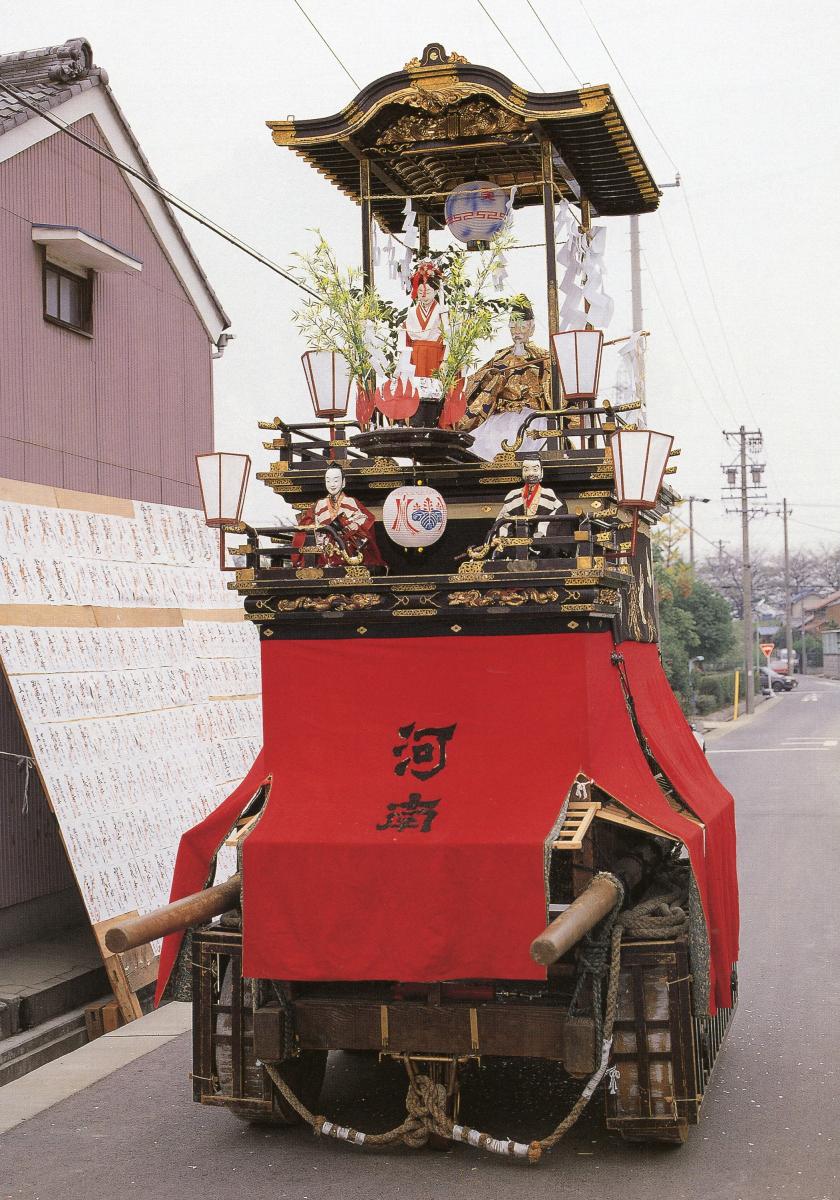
(678, 344)
(694, 319)
(510, 44)
(551, 39)
(810, 525)
(355, 83)
(154, 186)
(713, 295)
(629, 89)
(702, 536)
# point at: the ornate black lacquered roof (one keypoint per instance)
(442, 121)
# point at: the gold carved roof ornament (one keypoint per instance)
(440, 117)
(448, 115)
(434, 55)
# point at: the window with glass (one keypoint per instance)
(67, 297)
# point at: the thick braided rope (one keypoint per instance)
(658, 917)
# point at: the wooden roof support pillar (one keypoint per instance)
(423, 231)
(367, 226)
(547, 165)
(586, 228)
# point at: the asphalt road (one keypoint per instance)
(770, 1124)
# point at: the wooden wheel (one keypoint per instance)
(304, 1074)
(674, 1135)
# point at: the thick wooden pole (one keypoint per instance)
(367, 229)
(191, 910)
(567, 930)
(550, 264)
(593, 904)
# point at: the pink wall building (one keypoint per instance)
(107, 321)
(108, 327)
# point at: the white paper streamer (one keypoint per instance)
(581, 257)
(606, 1047)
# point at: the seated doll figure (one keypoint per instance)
(529, 500)
(514, 383)
(347, 518)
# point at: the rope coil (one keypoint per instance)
(660, 916)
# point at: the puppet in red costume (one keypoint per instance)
(337, 520)
(424, 322)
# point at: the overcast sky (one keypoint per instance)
(741, 98)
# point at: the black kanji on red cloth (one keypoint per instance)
(422, 751)
(412, 813)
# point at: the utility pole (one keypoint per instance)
(785, 512)
(753, 440)
(637, 318)
(692, 500)
(746, 576)
(788, 618)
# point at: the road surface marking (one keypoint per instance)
(809, 696)
(803, 742)
(772, 749)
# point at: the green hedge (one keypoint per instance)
(714, 690)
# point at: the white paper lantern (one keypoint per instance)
(475, 211)
(414, 516)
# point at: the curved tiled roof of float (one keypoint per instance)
(442, 120)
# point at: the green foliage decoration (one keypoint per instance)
(356, 322)
(350, 319)
(471, 315)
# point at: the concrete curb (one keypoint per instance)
(717, 732)
(26, 1097)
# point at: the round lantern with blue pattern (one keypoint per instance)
(414, 516)
(476, 211)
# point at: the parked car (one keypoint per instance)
(779, 663)
(779, 683)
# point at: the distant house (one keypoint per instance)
(831, 652)
(825, 615)
(108, 324)
(803, 607)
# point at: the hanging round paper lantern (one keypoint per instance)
(414, 516)
(475, 211)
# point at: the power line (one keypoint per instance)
(713, 295)
(693, 314)
(810, 525)
(698, 534)
(551, 39)
(357, 85)
(629, 89)
(154, 186)
(678, 344)
(510, 44)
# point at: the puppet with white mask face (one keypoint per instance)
(532, 499)
(339, 514)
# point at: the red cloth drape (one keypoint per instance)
(676, 750)
(196, 852)
(372, 860)
(329, 893)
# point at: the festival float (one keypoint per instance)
(480, 826)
